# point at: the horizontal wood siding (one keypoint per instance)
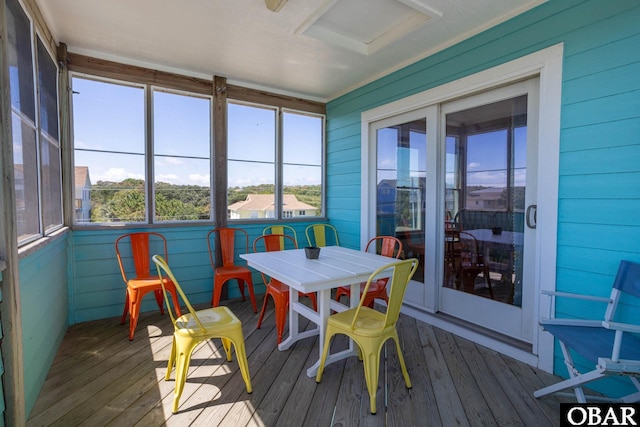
(600, 123)
(44, 282)
(99, 292)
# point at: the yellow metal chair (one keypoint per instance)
(195, 327)
(285, 230)
(370, 329)
(321, 235)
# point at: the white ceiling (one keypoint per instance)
(315, 49)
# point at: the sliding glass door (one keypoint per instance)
(490, 175)
(456, 183)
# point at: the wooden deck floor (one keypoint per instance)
(100, 378)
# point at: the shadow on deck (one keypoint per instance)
(100, 378)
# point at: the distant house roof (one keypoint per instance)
(489, 190)
(264, 202)
(82, 176)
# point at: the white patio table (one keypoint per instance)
(336, 266)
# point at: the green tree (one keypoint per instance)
(126, 206)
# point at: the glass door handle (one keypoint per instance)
(531, 216)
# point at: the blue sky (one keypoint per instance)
(110, 117)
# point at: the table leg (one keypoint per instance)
(297, 308)
(324, 310)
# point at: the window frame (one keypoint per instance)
(280, 214)
(35, 40)
(149, 151)
(180, 87)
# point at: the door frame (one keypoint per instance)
(547, 64)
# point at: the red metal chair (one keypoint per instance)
(278, 290)
(229, 270)
(388, 246)
(143, 282)
(471, 264)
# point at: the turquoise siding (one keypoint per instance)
(600, 127)
(44, 301)
(98, 290)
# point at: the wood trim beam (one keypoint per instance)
(68, 172)
(10, 308)
(42, 28)
(131, 73)
(220, 151)
(240, 93)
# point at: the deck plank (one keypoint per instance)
(294, 408)
(449, 403)
(422, 397)
(497, 400)
(100, 378)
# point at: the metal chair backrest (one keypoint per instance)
(227, 239)
(401, 274)
(162, 266)
(274, 242)
(389, 246)
(320, 234)
(281, 229)
(139, 244)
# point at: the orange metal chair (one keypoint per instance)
(229, 270)
(388, 246)
(143, 282)
(281, 229)
(278, 290)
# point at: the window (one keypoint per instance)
(144, 155)
(182, 153)
(111, 144)
(34, 120)
(275, 170)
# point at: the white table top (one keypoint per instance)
(336, 266)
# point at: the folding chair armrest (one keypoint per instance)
(571, 322)
(554, 295)
(624, 327)
(622, 366)
(576, 296)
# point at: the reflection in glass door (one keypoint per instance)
(400, 187)
(490, 180)
(485, 199)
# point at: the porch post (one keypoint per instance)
(10, 308)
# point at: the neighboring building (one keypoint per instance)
(262, 206)
(487, 199)
(82, 195)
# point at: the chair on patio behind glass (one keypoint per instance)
(229, 270)
(613, 347)
(195, 327)
(470, 263)
(370, 329)
(142, 282)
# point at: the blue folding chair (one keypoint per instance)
(613, 347)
